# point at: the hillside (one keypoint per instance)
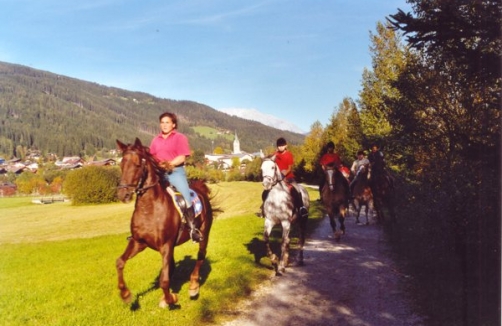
(66, 116)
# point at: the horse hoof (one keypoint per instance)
(166, 303)
(126, 297)
(338, 235)
(163, 304)
(193, 292)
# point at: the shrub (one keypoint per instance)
(92, 185)
(31, 183)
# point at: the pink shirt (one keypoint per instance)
(175, 144)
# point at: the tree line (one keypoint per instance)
(431, 100)
(59, 115)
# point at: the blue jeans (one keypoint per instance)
(178, 178)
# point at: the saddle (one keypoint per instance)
(180, 203)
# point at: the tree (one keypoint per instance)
(345, 130)
(388, 60)
(197, 158)
(312, 146)
(449, 115)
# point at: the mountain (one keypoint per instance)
(266, 119)
(52, 113)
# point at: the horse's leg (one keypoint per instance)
(357, 207)
(167, 252)
(332, 220)
(193, 289)
(132, 249)
(367, 210)
(283, 263)
(341, 218)
(303, 227)
(378, 210)
(266, 238)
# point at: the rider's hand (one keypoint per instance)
(166, 166)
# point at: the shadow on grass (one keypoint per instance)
(181, 275)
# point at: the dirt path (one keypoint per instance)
(351, 282)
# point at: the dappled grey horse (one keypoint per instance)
(278, 208)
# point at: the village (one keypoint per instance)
(16, 166)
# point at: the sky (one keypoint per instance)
(293, 59)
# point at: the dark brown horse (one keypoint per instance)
(382, 187)
(361, 192)
(156, 222)
(335, 197)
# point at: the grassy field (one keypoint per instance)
(57, 263)
(212, 133)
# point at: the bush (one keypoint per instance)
(92, 185)
(31, 183)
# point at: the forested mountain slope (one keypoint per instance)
(66, 116)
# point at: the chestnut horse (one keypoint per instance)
(335, 197)
(361, 192)
(278, 208)
(156, 222)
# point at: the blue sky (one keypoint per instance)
(295, 60)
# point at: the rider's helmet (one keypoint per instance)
(281, 142)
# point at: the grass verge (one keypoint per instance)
(57, 264)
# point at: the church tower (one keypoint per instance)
(237, 145)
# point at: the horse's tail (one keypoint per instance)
(200, 186)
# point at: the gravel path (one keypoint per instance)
(351, 282)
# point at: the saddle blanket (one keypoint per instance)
(180, 201)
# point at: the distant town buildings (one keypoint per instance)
(225, 161)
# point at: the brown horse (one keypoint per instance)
(335, 197)
(156, 222)
(382, 187)
(361, 192)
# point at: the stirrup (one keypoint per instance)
(303, 211)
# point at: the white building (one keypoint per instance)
(225, 161)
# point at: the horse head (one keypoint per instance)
(270, 173)
(330, 172)
(363, 171)
(135, 165)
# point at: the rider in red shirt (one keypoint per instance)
(285, 161)
(330, 158)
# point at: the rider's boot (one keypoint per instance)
(195, 233)
(304, 212)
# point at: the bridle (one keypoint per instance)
(139, 188)
(276, 178)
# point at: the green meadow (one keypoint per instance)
(57, 263)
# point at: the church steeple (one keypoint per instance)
(237, 144)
